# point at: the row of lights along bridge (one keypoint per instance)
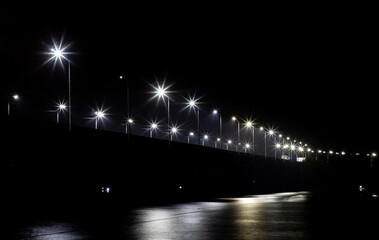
(284, 145)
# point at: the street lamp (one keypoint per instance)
(216, 112)
(61, 107)
(192, 105)
(153, 127)
(205, 138)
(250, 125)
(98, 115)
(127, 125)
(247, 146)
(373, 155)
(58, 54)
(277, 146)
(228, 143)
(14, 98)
(190, 135)
(234, 119)
(174, 131)
(161, 92)
(270, 133)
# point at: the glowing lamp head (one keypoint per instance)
(215, 111)
(154, 126)
(249, 124)
(247, 145)
(58, 53)
(278, 145)
(206, 136)
(192, 103)
(234, 118)
(61, 106)
(229, 141)
(130, 120)
(174, 130)
(261, 128)
(161, 92)
(191, 133)
(218, 139)
(99, 114)
(271, 132)
(15, 97)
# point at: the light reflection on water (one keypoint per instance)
(263, 217)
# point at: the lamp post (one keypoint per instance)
(216, 112)
(277, 146)
(161, 92)
(153, 127)
(189, 135)
(98, 115)
(373, 155)
(127, 125)
(58, 54)
(238, 132)
(249, 125)
(270, 133)
(14, 98)
(205, 138)
(192, 104)
(61, 107)
(174, 131)
(228, 143)
(247, 146)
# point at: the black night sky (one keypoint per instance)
(311, 73)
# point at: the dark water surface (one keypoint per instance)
(295, 215)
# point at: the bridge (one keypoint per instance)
(45, 162)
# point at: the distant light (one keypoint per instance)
(309, 149)
(285, 146)
(192, 103)
(99, 114)
(130, 120)
(191, 133)
(229, 141)
(293, 147)
(180, 187)
(249, 124)
(121, 77)
(161, 92)
(288, 138)
(62, 106)
(57, 53)
(154, 125)
(373, 154)
(247, 145)
(261, 128)
(343, 153)
(330, 152)
(205, 136)
(234, 118)
(270, 132)
(108, 189)
(215, 111)
(218, 139)
(278, 145)
(300, 149)
(15, 97)
(174, 130)
(319, 151)
(280, 135)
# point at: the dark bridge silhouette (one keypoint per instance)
(44, 164)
